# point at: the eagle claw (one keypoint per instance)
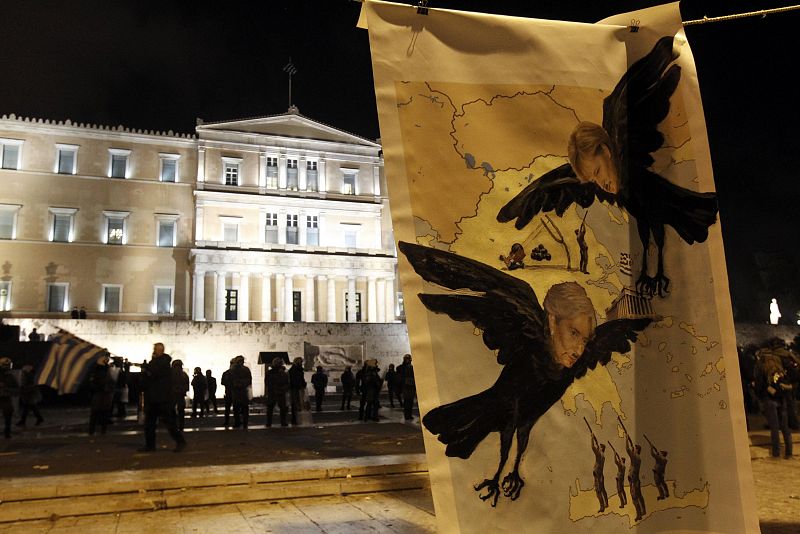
(512, 485)
(492, 490)
(653, 285)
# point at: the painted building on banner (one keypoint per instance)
(277, 218)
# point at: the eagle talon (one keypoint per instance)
(512, 485)
(492, 490)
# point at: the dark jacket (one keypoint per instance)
(157, 380)
(225, 380)
(241, 379)
(297, 379)
(277, 382)
(359, 378)
(180, 385)
(371, 383)
(319, 380)
(348, 381)
(212, 386)
(406, 382)
(28, 390)
(199, 386)
(391, 379)
(8, 384)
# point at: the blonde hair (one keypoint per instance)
(586, 139)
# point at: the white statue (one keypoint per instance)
(774, 312)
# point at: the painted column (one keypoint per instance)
(199, 305)
(331, 299)
(351, 299)
(372, 298)
(220, 296)
(381, 300)
(310, 300)
(266, 297)
(279, 298)
(288, 284)
(390, 318)
(244, 297)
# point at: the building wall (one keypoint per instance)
(211, 345)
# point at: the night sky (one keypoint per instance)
(161, 64)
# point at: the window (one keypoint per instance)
(62, 228)
(167, 230)
(112, 298)
(272, 228)
(8, 221)
(297, 306)
(312, 181)
(291, 174)
(291, 230)
(349, 183)
(119, 162)
(347, 308)
(163, 300)
(312, 230)
(57, 297)
(350, 235)
(116, 231)
(5, 295)
(231, 304)
(272, 172)
(169, 167)
(230, 170)
(9, 153)
(230, 232)
(66, 160)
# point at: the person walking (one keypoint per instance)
(225, 380)
(320, 381)
(297, 385)
(102, 386)
(360, 391)
(277, 382)
(158, 400)
(211, 383)
(391, 383)
(408, 387)
(180, 387)
(9, 387)
(199, 392)
(775, 393)
(241, 382)
(371, 384)
(29, 396)
(348, 383)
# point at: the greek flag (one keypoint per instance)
(69, 361)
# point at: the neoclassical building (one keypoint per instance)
(277, 218)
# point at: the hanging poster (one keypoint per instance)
(563, 272)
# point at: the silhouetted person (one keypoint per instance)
(225, 380)
(599, 450)
(635, 454)
(362, 395)
(297, 385)
(620, 479)
(180, 387)
(74, 313)
(121, 390)
(659, 472)
(29, 396)
(158, 399)
(391, 383)
(102, 386)
(34, 336)
(408, 387)
(776, 394)
(371, 385)
(211, 383)
(199, 392)
(277, 389)
(584, 248)
(320, 381)
(8, 388)
(348, 384)
(241, 380)
(82, 313)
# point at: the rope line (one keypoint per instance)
(761, 13)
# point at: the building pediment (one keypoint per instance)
(291, 124)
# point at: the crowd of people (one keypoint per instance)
(770, 385)
(162, 390)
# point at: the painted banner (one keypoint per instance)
(563, 272)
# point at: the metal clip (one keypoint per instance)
(634, 27)
(422, 7)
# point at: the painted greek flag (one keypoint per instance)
(69, 361)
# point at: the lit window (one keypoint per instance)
(271, 228)
(119, 162)
(112, 298)
(230, 170)
(163, 302)
(169, 167)
(292, 236)
(9, 153)
(291, 174)
(8, 221)
(312, 230)
(66, 158)
(116, 230)
(349, 183)
(166, 230)
(57, 297)
(62, 224)
(350, 234)
(312, 180)
(272, 172)
(347, 307)
(5, 295)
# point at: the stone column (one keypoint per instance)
(288, 285)
(310, 300)
(220, 296)
(201, 164)
(282, 171)
(282, 225)
(262, 169)
(199, 304)
(301, 173)
(302, 230)
(198, 224)
(244, 297)
(390, 300)
(372, 308)
(331, 307)
(351, 299)
(381, 300)
(279, 298)
(321, 176)
(266, 297)
(376, 180)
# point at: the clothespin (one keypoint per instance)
(634, 27)
(422, 7)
